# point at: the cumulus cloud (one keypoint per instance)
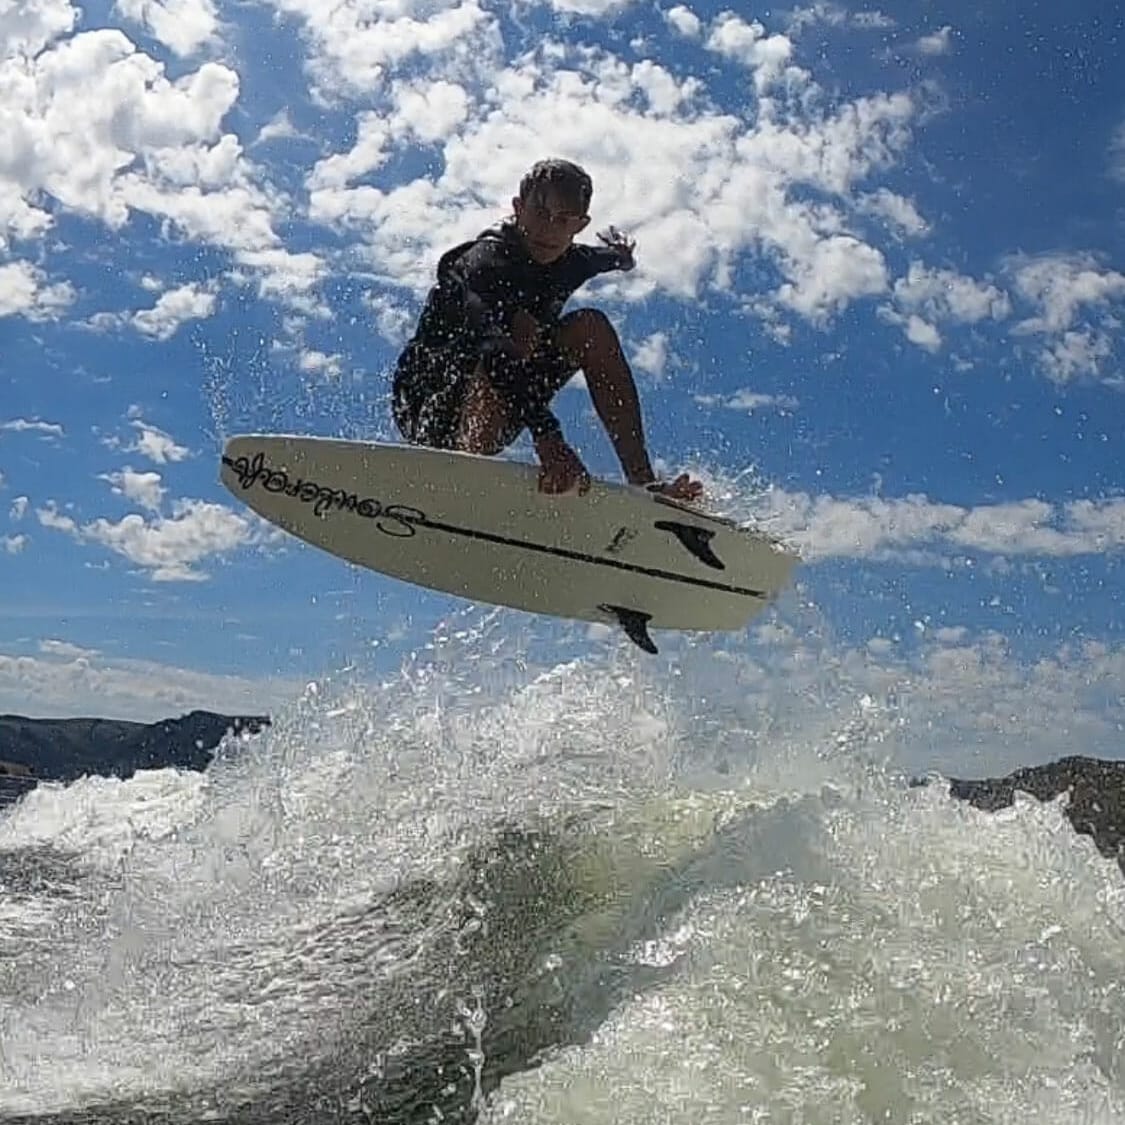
(682, 19)
(354, 45)
(698, 187)
(872, 527)
(315, 362)
(168, 548)
(1074, 323)
(183, 25)
(32, 426)
(927, 297)
(144, 489)
(174, 308)
(25, 291)
(66, 679)
(898, 212)
(13, 544)
(153, 443)
(766, 56)
(939, 42)
(651, 355)
(750, 401)
(98, 128)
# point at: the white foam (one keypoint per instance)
(846, 942)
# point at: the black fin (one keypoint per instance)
(696, 539)
(635, 624)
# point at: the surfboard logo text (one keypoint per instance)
(397, 520)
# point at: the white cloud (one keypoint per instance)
(896, 210)
(394, 321)
(830, 274)
(314, 362)
(592, 8)
(279, 127)
(82, 111)
(939, 42)
(699, 188)
(27, 27)
(96, 127)
(354, 44)
(873, 526)
(682, 19)
(144, 489)
(53, 647)
(32, 426)
(369, 152)
(155, 444)
(1074, 297)
(183, 25)
(651, 355)
(13, 544)
(927, 297)
(24, 291)
(767, 56)
(430, 111)
(288, 277)
(173, 308)
(873, 19)
(833, 15)
(18, 509)
(750, 401)
(50, 516)
(67, 680)
(1060, 284)
(169, 548)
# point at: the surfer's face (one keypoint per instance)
(548, 221)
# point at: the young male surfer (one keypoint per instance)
(492, 348)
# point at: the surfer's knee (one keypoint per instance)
(588, 330)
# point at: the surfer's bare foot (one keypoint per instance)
(561, 469)
(682, 488)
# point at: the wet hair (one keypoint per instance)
(567, 178)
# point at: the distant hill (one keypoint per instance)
(65, 749)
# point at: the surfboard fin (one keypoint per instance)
(635, 624)
(695, 539)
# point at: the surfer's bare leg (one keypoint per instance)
(483, 417)
(591, 339)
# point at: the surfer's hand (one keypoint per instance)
(622, 243)
(561, 470)
(682, 488)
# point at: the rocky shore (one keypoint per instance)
(1097, 796)
(34, 750)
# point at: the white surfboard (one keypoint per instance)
(479, 528)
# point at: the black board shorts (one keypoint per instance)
(429, 391)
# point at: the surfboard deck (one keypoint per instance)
(478, 527)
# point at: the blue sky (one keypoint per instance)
(878, 304)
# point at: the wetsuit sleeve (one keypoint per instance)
(589, 261)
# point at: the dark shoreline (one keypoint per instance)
(35, 750)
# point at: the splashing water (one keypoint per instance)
(691, 889)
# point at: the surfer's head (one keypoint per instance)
(552, 207)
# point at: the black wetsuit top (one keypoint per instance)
(468, 316)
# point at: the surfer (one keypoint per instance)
(492, 348)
